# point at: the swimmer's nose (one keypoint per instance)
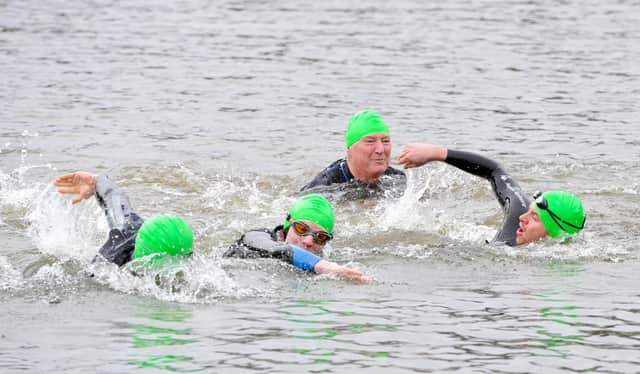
(308, 242)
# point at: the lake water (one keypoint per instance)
(221, 111)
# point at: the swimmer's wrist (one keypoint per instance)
(444, 152)
(303, 259)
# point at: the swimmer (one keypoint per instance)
(130, 237)
(550, 214)
(368, 148)
(307, 228)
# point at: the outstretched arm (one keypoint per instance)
(328, 267)
(303, 259)
(260, 243)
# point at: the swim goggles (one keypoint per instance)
(319, 237)
(544, 205)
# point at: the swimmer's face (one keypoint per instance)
(369, 157)
(531, 227)
(305, 242)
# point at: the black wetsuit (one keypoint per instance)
(261, 243)
(124, 225)
(123, 222)
(509, 194)
(265, 243)
(338, 172)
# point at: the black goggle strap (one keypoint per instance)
(557, 218)
(285, 227)
(542, 204)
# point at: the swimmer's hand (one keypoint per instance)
(324, 266)
(415, 155)
(81, 184)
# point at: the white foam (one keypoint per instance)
(64, 230)
(198, 279)
(10, 278)
(408, 212)
(15, 191)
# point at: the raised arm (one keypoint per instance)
(123, 222)
(81, 184)
(115, 203)
(110, 197)
(415, 155)
(506, 189)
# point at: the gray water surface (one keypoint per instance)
(221, 111)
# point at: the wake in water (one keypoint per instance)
(443, 215)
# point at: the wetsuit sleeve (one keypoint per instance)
(506, 189)
(304, 259)
(123, 222)
(260, 244)
(337, 172)
(472, 163)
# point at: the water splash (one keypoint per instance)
(10, 278)
(248, 195)
(64, 230)
(408, 212)
(16, 192)
(444, 214)
(198, 279)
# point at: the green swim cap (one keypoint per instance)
(164, 235)
(315, 208)
(364, 123)
(568, 209)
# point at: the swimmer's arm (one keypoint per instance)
(81, 184)
(328, 267)
(503, 185)
(474, 164)
(415, 155)
(305, 260)
(258, 243)
(123, 223)
(115, 203)
(506, 189)
(113, 200)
